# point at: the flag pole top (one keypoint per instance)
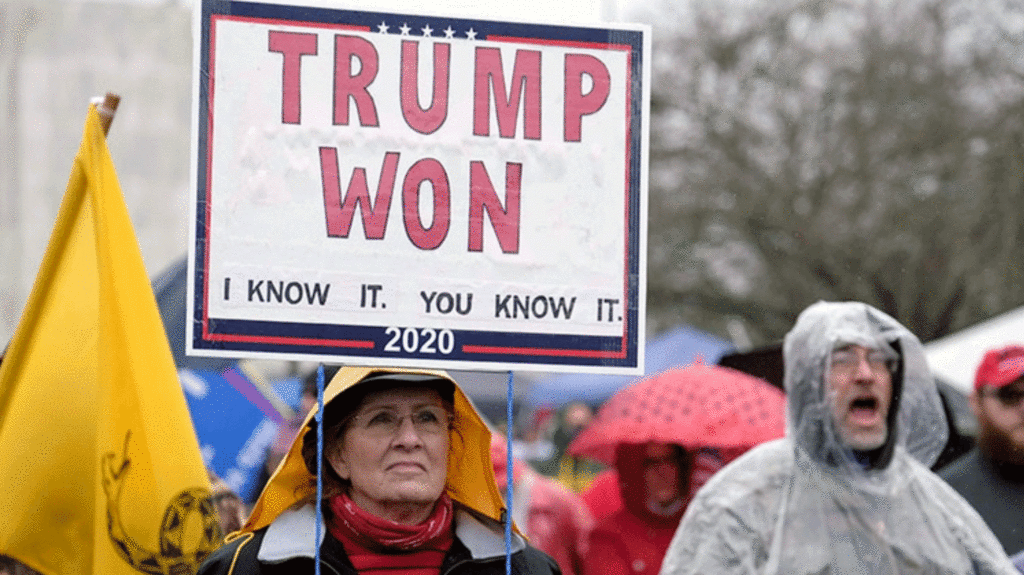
(107, 106)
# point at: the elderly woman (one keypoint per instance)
(408, 487)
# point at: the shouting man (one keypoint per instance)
(848, 490)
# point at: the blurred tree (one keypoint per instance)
(836, 149)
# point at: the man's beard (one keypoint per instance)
(997, 446)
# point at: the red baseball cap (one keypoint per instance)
(1000, 367)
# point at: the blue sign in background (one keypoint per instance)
(234, 427)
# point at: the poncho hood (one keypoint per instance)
(917, 422)
(470, 481)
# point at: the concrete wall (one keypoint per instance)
(55, 57)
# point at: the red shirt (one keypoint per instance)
(624, 544)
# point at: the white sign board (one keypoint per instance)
(394, 189)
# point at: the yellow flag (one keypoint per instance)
(101, 466)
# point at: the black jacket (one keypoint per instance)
(478, 548)
(996, 491)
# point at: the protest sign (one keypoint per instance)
(401, 189)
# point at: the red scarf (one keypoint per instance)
(381, 546)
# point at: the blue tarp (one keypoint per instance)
(678, 347)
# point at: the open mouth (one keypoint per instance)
(864, 410)
(868, 403)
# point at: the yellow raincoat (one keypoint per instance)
(278, 536)
(470, 473)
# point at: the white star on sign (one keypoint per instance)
(405, 29)
(471, 34)
(449, 33)
(382, 28)
(427, 30)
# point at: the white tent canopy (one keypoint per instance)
(955, 357)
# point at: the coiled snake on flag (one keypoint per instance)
(172, 558)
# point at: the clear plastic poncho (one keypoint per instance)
(806, 504)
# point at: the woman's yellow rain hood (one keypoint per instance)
(470, 473)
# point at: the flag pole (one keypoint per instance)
(107, 107)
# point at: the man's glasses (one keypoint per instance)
(386, 422)
(1007, 395)
(847, 360)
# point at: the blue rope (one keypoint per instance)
(319, 461)
(508, 477)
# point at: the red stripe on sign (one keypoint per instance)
(544, 352)
(360, 344)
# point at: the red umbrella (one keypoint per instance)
(694, 406)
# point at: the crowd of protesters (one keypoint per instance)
(415, 481)
(850, 488)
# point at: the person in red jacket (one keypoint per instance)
(552, 517)
(656, 482)
(602, 496)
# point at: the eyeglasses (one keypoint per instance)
(386, 422)
(1008, 395)
(846, 360)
